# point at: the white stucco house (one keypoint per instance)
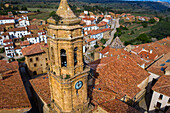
(18, 32)
(90, 27)
(89, 20)
(160, 101)
(5, 20)
(24, 23)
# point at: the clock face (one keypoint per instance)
(79, 84)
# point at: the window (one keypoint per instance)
(35, 65)
(30, 59)
(37, 58)
(63, 58)
(160, 97)
(158, 105)
(46, 59)
(75, 56)
(46, 64)
(169, 100)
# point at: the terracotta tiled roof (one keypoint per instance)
(147, 55)
(5, 33)
(8, 45)
(105, 50)
(42, 88)
(92, 39)
(87, 18)
(33, 49)
(8, 40)
(89, 25)
(106, 29)
(6, 18)
(120, 74)
(17, 29)
(31, 36)
(13, 94)
(117, 106)
(9, 24)
(108, 18)
(158, 66)
(163, 85)
(32, 27)
(102, 24)
(24, 43)
(22, 20)
(17, 47)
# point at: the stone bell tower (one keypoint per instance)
(67, 73)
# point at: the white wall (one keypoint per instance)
(155, 99)
(7, 21)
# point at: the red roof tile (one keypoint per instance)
(17, 29)
(42, 88)
(5, 33)
(13, 94)
(120, 74)
(105, 50)
(92, 39)
(156, 67)
(8, 40)
(24, 43)
(33, 49)
(163, 85)
(87, 18)
(8, 45)
(89, 25)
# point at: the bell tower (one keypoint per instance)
(67, 73)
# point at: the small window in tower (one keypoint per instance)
(46, 59)
(75, 56)
(46, 64)
(30, 59)
(37, 58)
(63, 58)
(160, 97)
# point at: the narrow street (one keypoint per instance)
(25, 78)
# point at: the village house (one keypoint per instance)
(89, 21)
(161, 95)
(35, 38)
(9, 48)
(158, 69)
(90, 27)
(18, 32)
(91, 43)
(5, 36)
(108, 20)
(5, 20)
(36, 58)
(13, 96)
(24, 44)
(110, 74)
(24, 23)
(37, 22)
(103, 25)
(17, 52)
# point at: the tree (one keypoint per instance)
(143, 38)
(24, 8)
(103, 41)
(152, 21)
(144, 24)
(132, 32)
(38, 10)
(160, 30)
